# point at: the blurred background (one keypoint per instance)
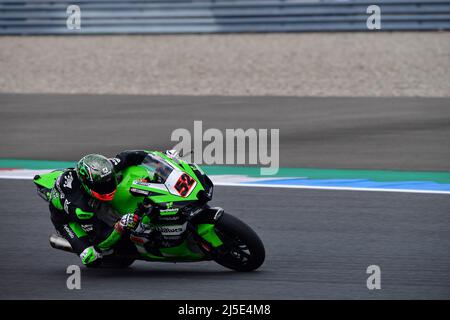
(225, 47)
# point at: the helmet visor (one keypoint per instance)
(104, 189)
(104, 197)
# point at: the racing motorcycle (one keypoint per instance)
(177, 225)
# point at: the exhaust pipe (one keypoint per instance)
(60, 243)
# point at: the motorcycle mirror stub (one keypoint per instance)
(172, 153)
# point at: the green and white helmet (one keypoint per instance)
(97, 176)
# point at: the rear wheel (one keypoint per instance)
(242, 249)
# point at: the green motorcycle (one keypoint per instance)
(177, 224)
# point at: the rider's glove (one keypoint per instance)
(129, 221)
(89, 255)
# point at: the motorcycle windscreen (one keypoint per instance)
(158, 167)
(104, 189)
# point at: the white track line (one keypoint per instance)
(327, 188)
(259, 185)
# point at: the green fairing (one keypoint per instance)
(182, 251)
(47, 180)
(178, 253)
(124, 202)
(207, 232)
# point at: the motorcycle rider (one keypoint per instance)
(77, 196)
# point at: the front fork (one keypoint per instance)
(202, 228)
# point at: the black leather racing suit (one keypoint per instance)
(73, 210)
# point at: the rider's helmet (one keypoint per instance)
(97, 176)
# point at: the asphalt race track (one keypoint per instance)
(318, 243)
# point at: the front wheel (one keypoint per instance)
(242, 250)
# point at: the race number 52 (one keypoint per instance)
(184, 184)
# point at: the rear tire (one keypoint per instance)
(242, 249)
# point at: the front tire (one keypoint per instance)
(242, 249)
